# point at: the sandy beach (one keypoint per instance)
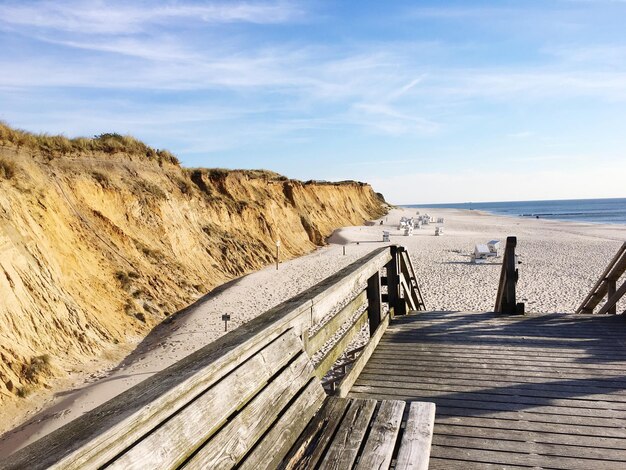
(560, 261)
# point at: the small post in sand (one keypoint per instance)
(277, 253)
(226, 318)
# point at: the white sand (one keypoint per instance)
(560, 262)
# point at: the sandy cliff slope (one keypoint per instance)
(97, 247)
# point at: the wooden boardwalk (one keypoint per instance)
(534, 391)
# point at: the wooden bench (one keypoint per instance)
(251, 400)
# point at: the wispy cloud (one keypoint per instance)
(118, 17)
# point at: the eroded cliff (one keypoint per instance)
(97, 247)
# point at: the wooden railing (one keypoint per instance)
(607, 286)
(505, 298)
(244, 399)
(328, 340)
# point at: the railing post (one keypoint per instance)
(397, 305)
(505, 299)
(611, 288)
(374, 299)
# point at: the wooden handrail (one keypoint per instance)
(329, 335)
(411, 278)
(606, 286)
(505, 298)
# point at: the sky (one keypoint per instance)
(429, 101)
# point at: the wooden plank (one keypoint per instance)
(414, 451)
(464, 407)
(530, 363)
(418, 291)
(598, 407)
(171, 443)
(331, 356)
(346, 384)
(233, 441)
(582, 434)
(450, 464)
(341, 285)
(613, 297)
(571, 445)
(474, 458)
(346, 443)
(329, 329)
(374, 301)
(598, 291)
(548, 354)
(381, 442)
(408, 298)
(545, 391)
(410, 288)
(396, 306)
(513, 367)
(313, 442)
(269, 453)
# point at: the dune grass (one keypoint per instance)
(59, 145)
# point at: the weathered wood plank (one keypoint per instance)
(310, 447)
(410, 291)
(543, 391)
(341, 285)
(374, 301)
(521, 458)
(513, 369)
(170, 444)
(329, 329)
(233, 441)
(346, 383)
(407, 291)
(345, 445)
(473, 404)
(570, 443)
(599, 290)
(418, 291)
(583, 434)
(331, 356)
(276, 443)
(414, 451)
(613, 297)
(516, 362)
(378, 450)
(396, 305)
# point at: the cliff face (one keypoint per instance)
(96, 248)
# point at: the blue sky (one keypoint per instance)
(429, 101)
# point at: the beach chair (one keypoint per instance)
(408, 231)
(385, 236)
(494, 246)
(481, 252)
(438, 231)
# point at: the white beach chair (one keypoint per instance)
(408, 231)
(481, 252)
(494, 246)
(438, 231)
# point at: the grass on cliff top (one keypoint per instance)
(59, 145)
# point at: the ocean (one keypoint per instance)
(606, 211)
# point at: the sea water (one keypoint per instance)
(606, 211)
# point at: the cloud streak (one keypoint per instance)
(116, 17)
